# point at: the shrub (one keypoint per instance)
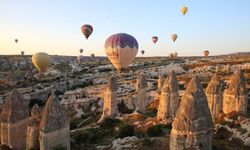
(109, 123)
(125, 130)
(154, 131)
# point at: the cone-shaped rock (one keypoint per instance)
(141, 90)
(32, 140)
(235, 97)
(192, 127)
(110, 100)
(169, 100)
(14, 121)
(214, 92)
(54, 126)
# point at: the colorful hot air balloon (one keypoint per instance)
(174, 37)
(87, 30)
(184, 10)
(40, 61)
(81, 50)
(121, 50)
(142, 52)
(22, 53)
(154, 39)
(206, 53)
(16, 40)
(80, 58)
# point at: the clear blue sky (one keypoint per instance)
(53, 26)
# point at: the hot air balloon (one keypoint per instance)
(40, 61)
(175, 54)
(121, 50)
(142, 52)
(80, 58)
(81, 50)
(87, 30)
(174, 37)
(171, 55)
(206, 53)
(16, 40)
(22, 53)
(92, 55)
(184, 10)
(154, 39)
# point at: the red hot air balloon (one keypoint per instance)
(87, 30)
(121, 50)
(154, 39)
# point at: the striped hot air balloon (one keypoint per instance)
(121, 50)
(87, 30)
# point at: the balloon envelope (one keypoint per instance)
(184, 10)
(206, 53)
(92, 55)
(154, 39)
(81, 50)
(121, 50)
(87, 30)
(22, 52)
(171, 55)
(16, 40)
(174, 37)
(40, 61)
(142, 52)
(175, 54)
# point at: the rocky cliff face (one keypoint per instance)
(235, 97)
(192, 126)
(214, 92)
(169, 99)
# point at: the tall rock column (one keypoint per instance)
(192, 127)
(54, 126)
(214, 92)
(32, 139)
(110, 100)
(160, 82)
(14, 121)
(169, 100)
(235, 97)
(141, 90)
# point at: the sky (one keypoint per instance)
(53, 26)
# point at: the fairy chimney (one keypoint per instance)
(32, 139)
(214, 92)
(192, 127)
(160, 82)
(110, 109)
(169, 100)
(54, 126)
(235, 97)
(141, 90)
(14, 121)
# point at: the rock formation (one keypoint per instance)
(235, 97)
(54, 126)
(169, 100)
(32, 139)
(192, 127)
(14, 121)
(160, 82)
(110, 99)
(214, 92)
(141, 90)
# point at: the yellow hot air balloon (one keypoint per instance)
(184, 10)
(40, 61)
(174, 37)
